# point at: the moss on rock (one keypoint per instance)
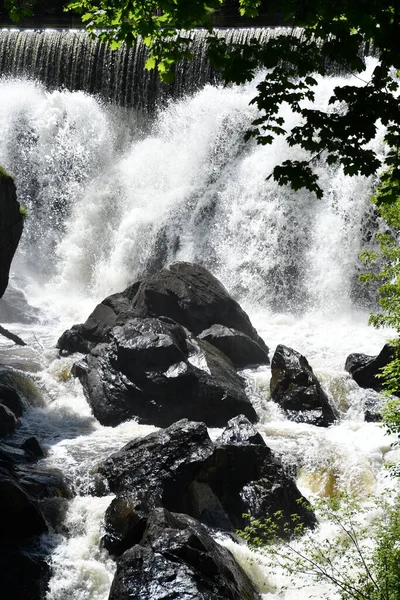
(4, 175)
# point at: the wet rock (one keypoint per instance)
(364, 369)
(84, 337)
(112, 397)
(19, 515)
(191, 296)
(239, 347)
(148, 344)
(33, 447)
(10, 398)
(295, 387)
(24, 484)
(177, 558)
(371, 416)
(162, 464)
(182, 470)
(8, 421)
(20, 462)
(23, 576)
(247, 478)
(240, 431)
(11, 225)
(42, 483)
(13, 454)
(155, 371)
(184, 292)
(126, 519)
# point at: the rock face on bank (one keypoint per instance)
(12, 404)
(24, 484)
(165, 349)
(11, 225)
(295, 387)
(182, 470)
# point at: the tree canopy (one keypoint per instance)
(334, 34)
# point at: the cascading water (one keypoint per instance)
(112, 195)
(71, 59)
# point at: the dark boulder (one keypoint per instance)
(182, 470)
(295, 387)
(112, 397)
(239, 347)
(162, 464)
(10, 398)
(24, 484)
(24, 573)
(42, 483)
(153, 370)
(247, 478)
(240, 431)
(20, 516)
(149, 344)
(20, 464)
(126, 519)
(32, 446)
(178, 559)
(11, 225)
(84, 337)
(8, 421)
(11, 407)
(184, 292)
(190, 295)
(364, 369)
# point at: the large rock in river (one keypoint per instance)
(11, 225)
(154, 370)
(187, 293)
(177, 558)
(364, 369)
(182, 470)
(239, 347)
(295, 387)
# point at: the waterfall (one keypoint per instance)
(113, 192)
(71, 59)
(87, 171)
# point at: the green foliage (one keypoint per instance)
(360, 560)
(157, 22)
(23, 211)
(387, 258)
(387, 553)
(333, 34)
(18, 9)
(391, 415)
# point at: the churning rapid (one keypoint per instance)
(112, 193)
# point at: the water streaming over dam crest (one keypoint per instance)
(114, 192)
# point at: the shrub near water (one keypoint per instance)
(387, 258)
(361, 560)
